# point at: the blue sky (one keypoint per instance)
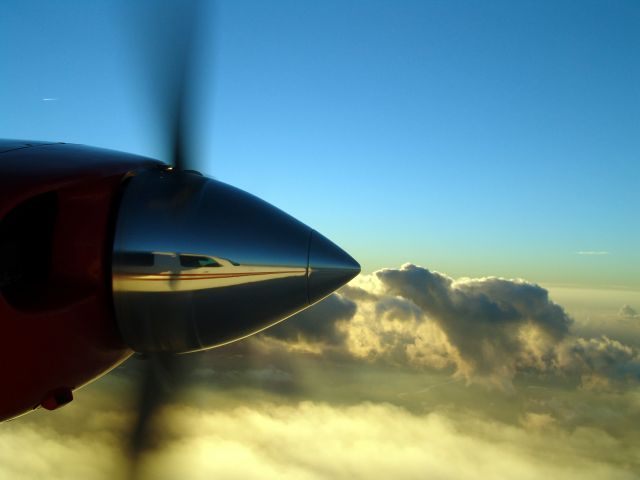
(476, 138)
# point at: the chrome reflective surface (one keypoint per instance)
(198, 263)
(330, 267)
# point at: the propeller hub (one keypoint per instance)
(198, 263)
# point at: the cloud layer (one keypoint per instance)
(312, 441)
(388, 378)
(486, 330)
(319, 441)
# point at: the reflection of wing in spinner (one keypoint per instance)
(170, 272)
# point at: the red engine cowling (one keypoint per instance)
(57, 327)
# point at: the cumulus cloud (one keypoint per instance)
(494, 324)
(601, 361)
(486, 330)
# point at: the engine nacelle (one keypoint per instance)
(188, 262)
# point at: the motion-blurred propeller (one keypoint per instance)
(163, 34)
(198, 263)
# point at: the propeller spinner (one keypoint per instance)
(198, 263)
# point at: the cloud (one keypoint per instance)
(600, 361)
(317, 324)
(49, 99)
(495, 325)
(317, 440)
(536, 421)
(485, 330)
(627, 312)
(593, 252)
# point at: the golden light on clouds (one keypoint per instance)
(312, 440)
(320, 441)
(405, 374)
